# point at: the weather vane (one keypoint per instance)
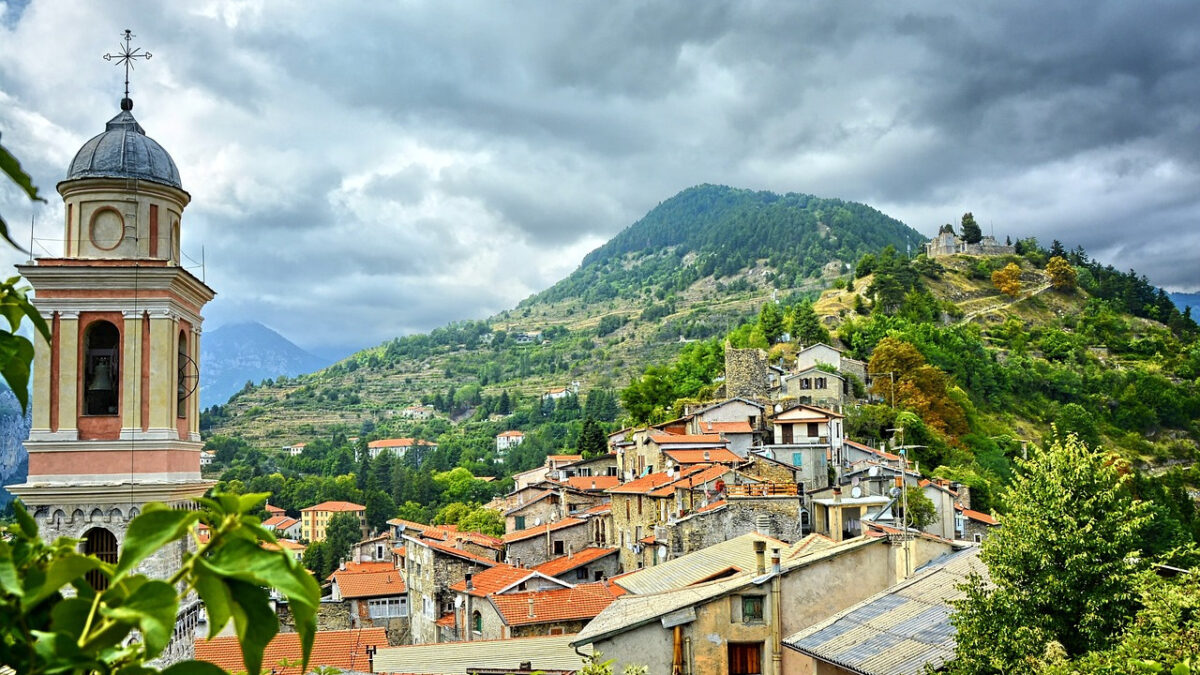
(126, 57)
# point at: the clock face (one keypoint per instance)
(107, 229)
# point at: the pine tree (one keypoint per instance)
(970, 229)
(592, 441)
(806, 325)
(770, 320)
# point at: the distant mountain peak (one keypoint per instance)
(248, 351)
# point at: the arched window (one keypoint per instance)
(101, 383)
(477, 621)
(181, 388)
(102, 544)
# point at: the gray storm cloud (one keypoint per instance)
(364, 172)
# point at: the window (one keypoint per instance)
(752, 608)
(978, 538)
(477, 621)
(427, 608)
(745, 658)
(384, 608)
(102, 544)
(560, 547)
(518, 522)
(787, 434)
(798, 459)
(581, 574)
(813, 429)
(598, 575)
(101, 382)
(556, 630)
(184, 382)
(639, 505)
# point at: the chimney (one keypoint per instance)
(531, 614)
(760, 556)
(775, 566)
(837, 495)
(525, 666)
(470, 581)
(762, 524)
(706, 456)
(569, 552)
(593, 484)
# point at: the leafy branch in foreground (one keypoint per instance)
(120, 625)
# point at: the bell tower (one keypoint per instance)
(115, 400)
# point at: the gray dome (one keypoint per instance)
(124, 151)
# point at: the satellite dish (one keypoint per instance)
(662, 552)
(537, 521)
(895, 492)
(458, 601)
(873, 471)
(856, 492)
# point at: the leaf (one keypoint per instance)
(151, 531)
(152, 608)
(16, 354)
(69, 616)
(247, 503)
(253, 621)
(26, 521)
(62, 571)
(9, 581)
(193, 668)
(12, 168)
(216, 596)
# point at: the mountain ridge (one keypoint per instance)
(248, 351)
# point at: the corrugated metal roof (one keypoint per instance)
(735, 553)
(545, 653)
(898, 631)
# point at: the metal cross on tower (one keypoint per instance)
(126, 57)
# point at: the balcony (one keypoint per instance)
(764, 490)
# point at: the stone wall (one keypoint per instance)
(740, 515)
(746, 373)
(537, 550)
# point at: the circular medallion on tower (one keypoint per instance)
(124, 151)
(107, 229)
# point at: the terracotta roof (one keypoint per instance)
(580, 558)
(564, 458)
(652, 480)
(592, 482)
(369, 584)
(280, 522)
(606, 507)
(281, 544)
(875, 451)
(928, 483)
(493, 580)
(727, 427)
(458, 552)
(701, 455)
(672, 439)
(978, 516)
(273, 510)
(398, 443)
(336, 506)
(344, 649)
(581, 602)
(363, 567)
(712, 507)
(709, 473)
(528, 532)
(407, 524)
(510, 434)
(446, 620)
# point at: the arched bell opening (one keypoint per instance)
(101, 543)
(101, 384)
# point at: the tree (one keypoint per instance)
(1008, 279)
(918, 386)
(1062, 568)
(319, 559)
(921, 510)
(592, 441)
(1062, 274)
(483, 520)
(343, 531)
(770, 321)
(57, 618)
(380, 507)
(806, 326)
(971, 233)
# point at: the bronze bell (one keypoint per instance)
(101, 377)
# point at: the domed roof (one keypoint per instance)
(124, 151)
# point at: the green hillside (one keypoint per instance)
(693, 268)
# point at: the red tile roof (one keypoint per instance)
(493, 580)
(580, 603)
(446, 620)
(528, 532)
(510, 434)
(363, 567)
(561, 459)
(450, 550)
(599, 508)
(651, 481)
(978, 516)
(592, 482)
(701, 455)
(557, 566)
(727, 427)
(675, 439)
(273, 510)
(344, 649)
(280, 523)
(282, 544)
(712, 507)
(875, 451)
(336, 506)
(707, 473)
(407, 524)
(369, 584)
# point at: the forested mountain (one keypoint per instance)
(693, 268)
(719, 231)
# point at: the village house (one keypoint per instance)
(974, 526)
(284, 526)
(508, 439)
(548, 655)
(540, 543)
(750, 591)
(295, 449)
(603, 465)
(808, 438)
(373, 549)
(207, 457)
(398, 446)
(821, 354)
(376, 595)
(417, 412)
(772, 509)
(550, 500)
(343, 650)
(315, 519)
(645, 456)
(294, 549)
(817, 386)
(431, 566)
(594, 563)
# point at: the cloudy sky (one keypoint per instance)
(360, 171)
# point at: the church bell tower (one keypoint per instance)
(115, 400)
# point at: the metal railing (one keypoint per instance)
(763, 490)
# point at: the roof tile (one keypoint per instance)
(345, 649)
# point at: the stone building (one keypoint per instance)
(115, 407)
(746, 373)
(507, 602)
(536, 545)
(948, 243)
(376, 595)
(590, 564)
(430, 568)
